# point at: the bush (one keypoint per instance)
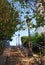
(24, 40)
(35, 49)
(35, 40)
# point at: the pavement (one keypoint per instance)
(18, 56)
(3, 60)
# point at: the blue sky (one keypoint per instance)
(23, 32)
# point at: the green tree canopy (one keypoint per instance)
(37, 39)
(8, 20)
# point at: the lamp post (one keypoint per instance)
(19, 39)
(16, 41)
(29, 43)
(28, 20)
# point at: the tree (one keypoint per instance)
(39, 16)
(38, 12)
(8, 20)
(37, 41)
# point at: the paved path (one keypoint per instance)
(18, 56)
(3, 57)
(3, 60)
(7, 52)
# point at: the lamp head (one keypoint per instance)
(28, 19)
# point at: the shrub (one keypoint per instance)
(35, 40)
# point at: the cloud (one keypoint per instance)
(40, 29)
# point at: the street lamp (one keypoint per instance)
(18, 39)
(28, 20)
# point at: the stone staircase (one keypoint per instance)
(3, 60)
(19, 56)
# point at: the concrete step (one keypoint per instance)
(3, 60)
(20, 61)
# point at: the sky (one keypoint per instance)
(22, 32)
(17, 40)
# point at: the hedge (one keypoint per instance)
(36, 39)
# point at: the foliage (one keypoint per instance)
(35, 49)
(8, 20)
(24, 40)
(39, 15)
(37, 39)
(38, 10)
